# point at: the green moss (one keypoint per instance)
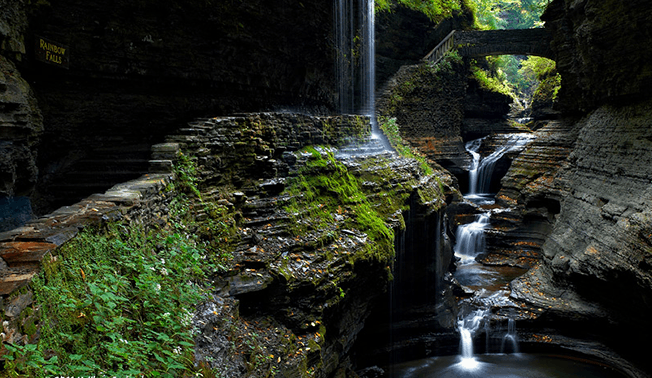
(391, 130)
(489, 82)
(324, 188)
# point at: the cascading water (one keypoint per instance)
(470, 239)
(467, 328)
(511, 338)
(471, 244)
(350, 28)
(482, 169)
(344, 65)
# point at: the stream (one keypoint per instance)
(489, 344)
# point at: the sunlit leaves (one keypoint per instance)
(436, 10)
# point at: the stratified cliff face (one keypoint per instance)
(602, 50)
(597, 260)
(595, 276)
(20, 118)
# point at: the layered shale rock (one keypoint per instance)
(530, 196)
(308, 265)
(132, 70)
(439, 108)
(601, 50)
(597, 263)
(21, 126)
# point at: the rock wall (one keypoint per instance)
(597, 260)
(135, 69)
(439, 108)
(583, 189)
(21, 123)
(307, 295)
(405, 36)
(600, 50)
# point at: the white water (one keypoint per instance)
(471, 243)
(483, 168)
(349, 75)
(344, 67)
(470, 239)
(511, 338)
(467, 327)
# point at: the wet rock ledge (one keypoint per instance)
(312, 238)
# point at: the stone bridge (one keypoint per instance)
(494, 42)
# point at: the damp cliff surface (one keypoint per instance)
(582, 188)
(134, 70)
(596, 260)
(600, 50)
(439, 108)
(309, 240)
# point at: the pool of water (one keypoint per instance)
(503, 366)
(475, 276)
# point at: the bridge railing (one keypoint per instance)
(474, 43)
(436, 54)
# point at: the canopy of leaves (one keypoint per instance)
(436, 10)
(509, 14)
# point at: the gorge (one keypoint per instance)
(196, 193)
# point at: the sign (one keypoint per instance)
(51, 52)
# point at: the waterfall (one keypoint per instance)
(473, 147)
(470, 238)
(510, 338)
(467, 328)
(361, 72)
(355, 66)
(482, 169)
(369, 59)
(344, 64)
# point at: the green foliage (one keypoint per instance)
(537, 68)
(509, 70)
(493, 81)
(540, 78)
(509, 14)
(117, 300)
(186, 175)
(436, 10)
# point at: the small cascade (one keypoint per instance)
(473, 147)
(510, 339)
(470, 239)
(467, 328)
(482, 169)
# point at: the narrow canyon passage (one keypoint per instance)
(328, 189)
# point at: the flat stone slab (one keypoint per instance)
(19, 253)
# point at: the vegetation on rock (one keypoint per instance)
(324, 188)
(436, 10)
(118, 299)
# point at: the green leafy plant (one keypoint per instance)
(118, 299)
(436, 10)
